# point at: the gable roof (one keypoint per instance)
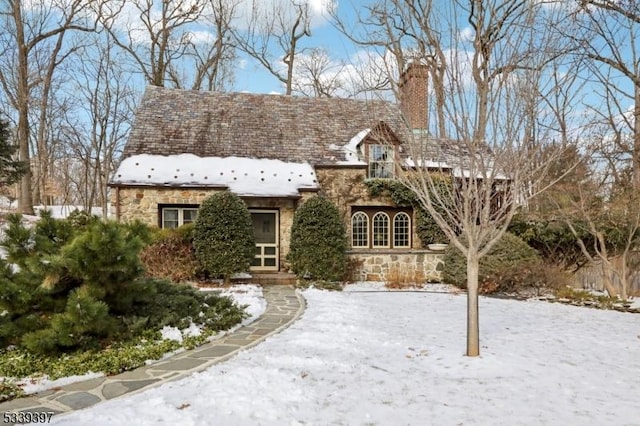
(287, 128)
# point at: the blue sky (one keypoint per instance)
(251, 77)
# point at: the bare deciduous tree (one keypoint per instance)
(606, 35)
(318, 76)
(403, 31)
(213, 58)
(33, 45)
(272, 36)
(609, 216)
(155, 34)
(486, 61)
(106, 98)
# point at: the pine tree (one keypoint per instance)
(10, 169)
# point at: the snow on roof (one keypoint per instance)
(490, 174)
(429, 164)
(243, 176)
(350, 150)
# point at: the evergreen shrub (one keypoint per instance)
(318, 241)
(89, 292)
(554, 240)
(510, 266)
(11, 170)
(223, 235)
(428, 230)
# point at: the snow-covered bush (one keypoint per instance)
(223, 235)
(318, 241)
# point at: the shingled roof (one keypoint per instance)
(294, 129)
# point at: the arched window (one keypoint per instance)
(401, 230)
(359, 230)
(380, 230)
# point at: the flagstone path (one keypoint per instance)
(284, 306)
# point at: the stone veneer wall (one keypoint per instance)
(415, 266)
(142, 203)
(346, 187)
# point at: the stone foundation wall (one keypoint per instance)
(403, 267)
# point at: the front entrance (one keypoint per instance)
(265, 231)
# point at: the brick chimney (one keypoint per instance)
(413, 89)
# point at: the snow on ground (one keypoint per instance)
(381, 286)
(63, 211)
(396, 358)
(249, 295)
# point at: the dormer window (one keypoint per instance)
(381, 161)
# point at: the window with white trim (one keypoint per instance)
(401, 230)
(380, 227)
(380, 161)
(173, 216)
(359, 230)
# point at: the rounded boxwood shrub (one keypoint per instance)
(318, 241)
(223, 235)
(510, 266)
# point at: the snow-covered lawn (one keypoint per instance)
(393, 358)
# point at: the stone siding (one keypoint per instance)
(416, 266)
(346, 188)
(142, 203)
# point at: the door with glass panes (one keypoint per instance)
(265, 231)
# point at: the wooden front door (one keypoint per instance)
(265, 231)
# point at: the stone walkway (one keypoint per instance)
(284, 306)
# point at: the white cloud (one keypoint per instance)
(467, 34)
(318, 10)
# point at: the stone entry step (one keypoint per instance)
(273, 278)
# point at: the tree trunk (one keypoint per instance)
(636, 139)
(25, 202)
(473, 323)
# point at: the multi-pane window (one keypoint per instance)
(380, 230)
(360, 230)
(380, 161)
(401, 229)
(172, 217)
(375, 228)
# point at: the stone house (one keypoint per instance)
(274, 152)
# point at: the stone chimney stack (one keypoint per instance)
(413, 89)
